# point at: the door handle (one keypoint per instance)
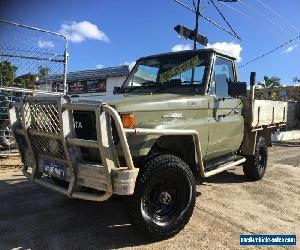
(236, 112)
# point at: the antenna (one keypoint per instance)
(193, 35)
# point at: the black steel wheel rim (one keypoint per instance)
(262, 159)
(165, 199)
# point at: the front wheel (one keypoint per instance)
(164, 197)
(255, 165)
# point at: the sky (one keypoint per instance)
(112, 33)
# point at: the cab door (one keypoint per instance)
(226, 123)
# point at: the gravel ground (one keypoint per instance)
(32, 217)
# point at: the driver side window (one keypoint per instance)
(223, 75)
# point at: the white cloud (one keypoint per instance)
(290, 49)
(130, 64)
(78, 32)
(45, 44)
(100, 66)
(180, 47)
(231, 48)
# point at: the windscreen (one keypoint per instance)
(168, 71)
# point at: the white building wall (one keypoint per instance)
(112, 82)
(45, 87)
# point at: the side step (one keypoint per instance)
(222, 160)
(224, 167)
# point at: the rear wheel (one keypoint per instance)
(255, 165)
(164, 197)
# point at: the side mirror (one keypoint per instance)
(237, 89)
(116, 90)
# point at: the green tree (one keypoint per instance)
(43, 71)
(296, 80)
(275, 97)
(7, 73)
(273, 81)
(270, 82)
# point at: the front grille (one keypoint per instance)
(42, 117)
(46, 146)
(85, 125)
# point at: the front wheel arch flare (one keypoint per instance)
(182, 146)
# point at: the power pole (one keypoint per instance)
(193, 34)
(197, 22)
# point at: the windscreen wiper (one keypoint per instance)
(130, 89)
(162, 87)
(145, 84)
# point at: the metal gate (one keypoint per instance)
(33, 61)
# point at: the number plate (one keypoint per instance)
(55, 168)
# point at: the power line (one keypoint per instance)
(205, 6)
(185, 6)
(271, 51)
(264, 16)
(220, 27)
(277, 14)
(253, 19)
(221, 14)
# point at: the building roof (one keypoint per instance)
(93, 74)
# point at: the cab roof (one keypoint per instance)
(208, 50)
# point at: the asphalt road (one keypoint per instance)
(32, 217)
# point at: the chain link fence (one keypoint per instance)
(32, 62)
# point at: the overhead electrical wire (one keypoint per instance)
(297, 29)
(266, 17)
(271, 51)
(208, 19)
(254, 20)
(224, 18)
(205, 6)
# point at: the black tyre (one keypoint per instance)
(7, 139)
(164, 197)
(255, 165)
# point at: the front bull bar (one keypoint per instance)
(51, 119)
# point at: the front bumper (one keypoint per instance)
(44, 129)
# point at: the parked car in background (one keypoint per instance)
(7, 141)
